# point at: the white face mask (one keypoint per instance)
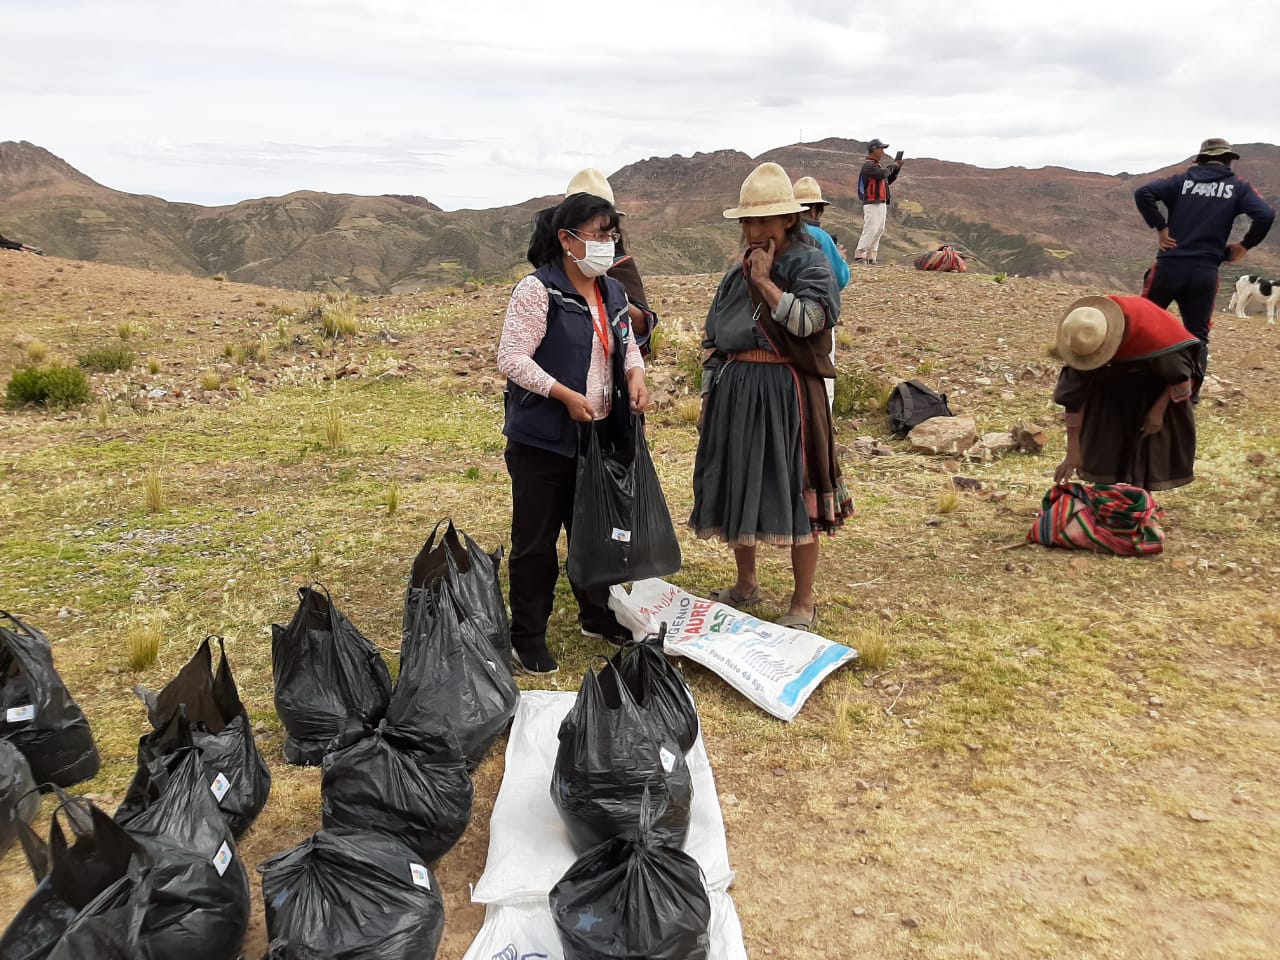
(598, 260)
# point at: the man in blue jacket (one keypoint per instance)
(809, 195)
(1200, 207)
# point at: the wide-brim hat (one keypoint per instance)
(592, 181)
(767, 192)
(1218, 149)
(1090, 332)
(809, 192)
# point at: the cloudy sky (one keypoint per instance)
(479, 104)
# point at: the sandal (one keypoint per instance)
(796, 622)
(731, 597)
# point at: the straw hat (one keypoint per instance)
(1090, 332)
(766, 192)
(809, 193)
(590, 181)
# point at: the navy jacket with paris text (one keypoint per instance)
(565, 353)
(1201, 205)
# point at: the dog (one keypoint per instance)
(1250, 288)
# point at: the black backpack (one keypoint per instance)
(911, 404)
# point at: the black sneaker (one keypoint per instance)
(613, 632)
(536, 661)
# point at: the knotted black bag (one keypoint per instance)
(37, 714)
(410, 787)
(19, 800)
(329, 679)
(351, 895)
(612, 752)
(203, 709)
(452, 682)
(474, 574)
(633, 898)
(657, 686)
(622, 529)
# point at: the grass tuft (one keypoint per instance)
(392, 498)
(338, 318)
(859, 393)
(37, 352)
(153, 365)
(143, 641)
(948, 500)
(335, 429)
(210, 381)
(872, 644)
(104, 411)
(153, 493)
(125, 330)
(688, 409)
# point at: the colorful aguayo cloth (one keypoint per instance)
(1108, 517)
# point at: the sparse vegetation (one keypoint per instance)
(55, 387)
(688, 409)
(392, 498)
(948, 500)
(126, 330)
(107, 359)
(153, 365)
(1000, 277)
(37, 352)
(338, 318)
(210, 381)
(103, 411)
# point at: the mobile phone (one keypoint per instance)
(897, 157)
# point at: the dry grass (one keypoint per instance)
(126, 330)
(340, 318)
(153, 491)
(142, 639)
(37, 352)
(210, 381)
(688, 409)
(392, 498)
(334, 429)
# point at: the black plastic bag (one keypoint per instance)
(329, 679)
(351, 895)
(474, 574)
(657, 686)
(413, 788)
(452, 682)
(912, 403)
(110, 927)
(622, 528)
(19, 800)
(631, 898)
(69, 875)
(37, 714)
(200, 903)
(612, 753)
(203, 709)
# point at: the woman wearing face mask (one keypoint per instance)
(766, 469)
(570, 359)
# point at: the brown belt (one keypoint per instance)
(756, 356)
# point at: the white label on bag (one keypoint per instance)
(222, 859)
(418, 873)
(19, 714)
(220, 786)
(668, 759)
(622, 536)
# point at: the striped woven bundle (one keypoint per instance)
(943, 259)
(1109, 518)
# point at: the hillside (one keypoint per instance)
(1042, 753)
(1051, 223)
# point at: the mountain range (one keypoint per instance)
(1049, 222)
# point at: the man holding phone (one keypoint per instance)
(873, 191)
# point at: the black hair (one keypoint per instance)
(573, 212)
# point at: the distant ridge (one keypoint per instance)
(1050, 222)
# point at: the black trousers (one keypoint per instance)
(542, 488)
(1194, 288)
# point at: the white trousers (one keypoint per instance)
(873, 217)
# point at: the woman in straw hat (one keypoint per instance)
(1130, 371)
(766, 469)
(569, 358)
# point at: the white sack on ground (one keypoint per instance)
(774, 667)
(529, 848)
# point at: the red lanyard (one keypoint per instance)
(602, 324)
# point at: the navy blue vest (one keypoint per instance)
(565, 353)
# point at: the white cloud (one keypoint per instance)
(488, 103)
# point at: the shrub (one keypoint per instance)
(858, 393)
(107, 360)
(53, 387)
